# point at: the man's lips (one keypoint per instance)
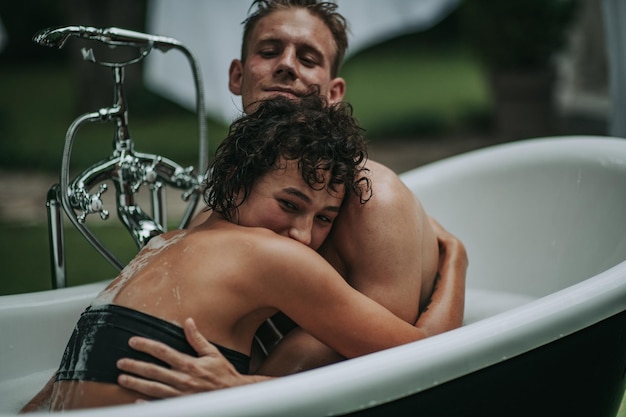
(284, 92)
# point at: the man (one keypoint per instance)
(291, 47)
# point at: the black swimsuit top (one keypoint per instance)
(100, 339)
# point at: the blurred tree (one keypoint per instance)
(583, 87)
(517, 41)
(23, 19)
(94, 82)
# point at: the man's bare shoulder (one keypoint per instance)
(380, 169)
(389, 196)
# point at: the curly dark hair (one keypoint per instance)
(324, 10)
(323, 138)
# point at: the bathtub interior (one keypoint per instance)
(536, 217)
(35, 328)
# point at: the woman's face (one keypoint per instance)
(283, 202)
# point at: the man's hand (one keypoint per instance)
(188, 375)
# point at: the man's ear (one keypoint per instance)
(235, 76)
(336, 90)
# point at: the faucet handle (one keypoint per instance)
(91, 203)
(150, 174)
(97, 205)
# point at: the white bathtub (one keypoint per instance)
(544, 223)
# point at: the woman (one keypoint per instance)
(278, 180)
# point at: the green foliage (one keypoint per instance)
(37, 106)
(414, 91)
(409, 90)
(26, 257)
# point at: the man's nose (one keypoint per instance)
(301, 230)
(286, 65)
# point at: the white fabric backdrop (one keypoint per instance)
(212, 30)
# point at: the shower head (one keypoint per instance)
(55, 37)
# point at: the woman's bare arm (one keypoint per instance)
(299, 351)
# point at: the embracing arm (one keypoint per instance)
(300, 351)
(187, 375)
(350, 322)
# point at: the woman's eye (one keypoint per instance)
(288, 204)
(325, 219)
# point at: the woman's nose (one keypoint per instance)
(301, 231)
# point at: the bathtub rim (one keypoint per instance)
(409, 369)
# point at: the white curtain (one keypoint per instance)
(212, 30)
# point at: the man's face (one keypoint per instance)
(289, 53)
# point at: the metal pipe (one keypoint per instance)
(65, 193)
(127, 170)
(159, 205)
(56, 238)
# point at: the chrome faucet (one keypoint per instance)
(127, 169)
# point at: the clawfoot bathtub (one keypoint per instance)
(544, 223)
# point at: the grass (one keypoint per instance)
(27, 257)
(418, 94)
(423, 92)
(37, 107)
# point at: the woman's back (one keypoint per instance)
(201, 273)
